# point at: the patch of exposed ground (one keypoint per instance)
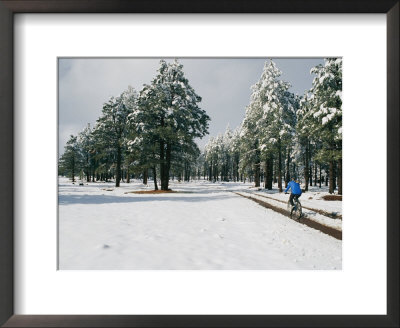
(332, 197)
(151, 192)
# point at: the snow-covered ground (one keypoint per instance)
(202, 226)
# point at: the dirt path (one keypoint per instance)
(305, 220)
(329, 214)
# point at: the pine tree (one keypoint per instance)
(70, 162)
(268, 127)
(169, 115)
(327, 113)
(113, 124)
(85, 141)
(250, 140)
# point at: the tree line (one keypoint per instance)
(151, 134)
(284, 135)
(146, 133)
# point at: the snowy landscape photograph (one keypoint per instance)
(199, 163)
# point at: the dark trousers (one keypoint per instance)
(292, 196)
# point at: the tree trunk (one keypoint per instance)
(315, 173)
(331, 177)
(187, 172)
(257, 168)
(294, 171)
(73, 169)
(256, 174)
(155, 178)
(287, 178)
(118, 175)
(306, 169)
(237, 169)
(265, 174)
(268, 171)
(162, 164)
(334, 175)
(279, 166)
(128, 175)
(320, 176)
(145, 176)
(340, 177)
(87, 169)
(310, 177)
(166, 168)
(326, 176)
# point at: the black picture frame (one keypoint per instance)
(10, 7)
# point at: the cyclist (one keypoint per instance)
(296, 190)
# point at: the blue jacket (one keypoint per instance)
(296, 190)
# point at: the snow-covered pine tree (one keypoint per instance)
(235, 153)
(169, 114)
(112, 126)
(250, 140)
(306, 124)
(85, 141)
(278, 116)
(327, 111)
(103, 154)
(70, 162)
(226, 173)
(211, 152)
(268, 127)
(143, 143)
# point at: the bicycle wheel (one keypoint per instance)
(299, 211)
(293, 212)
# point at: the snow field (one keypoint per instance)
(205, 226)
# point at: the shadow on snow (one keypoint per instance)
(108, 199)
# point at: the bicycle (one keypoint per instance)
(296, 211)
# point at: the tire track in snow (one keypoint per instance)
(331, 215)
(304, 220)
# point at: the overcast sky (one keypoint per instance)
(224, 85)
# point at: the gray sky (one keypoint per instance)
(224, 85)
